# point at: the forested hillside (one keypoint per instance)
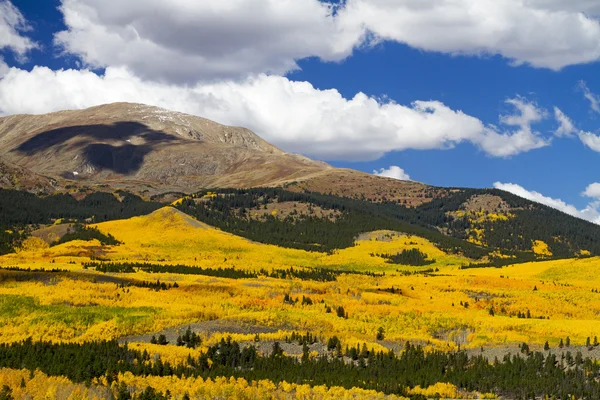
(19, 210)
(509, 227)
(231, 211)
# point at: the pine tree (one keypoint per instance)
(6, 393)
(305, 354)
(380, 333)
(123, 393)
(338, 350)
(162, 340)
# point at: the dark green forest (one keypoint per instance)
(306, 274)
(414, 257)
(565, 235)
(82, 232)
(20, 210)
(524, 376)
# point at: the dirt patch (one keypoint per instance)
(487, 202)
(292, 209)
(491, 353)
(291, 349)
(204, 329)
(381, 236)
(476, 296)
(361, 186)
(53, 233)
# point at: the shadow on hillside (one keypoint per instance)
(97, 144)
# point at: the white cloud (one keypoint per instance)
(590, 140)
(590, 213)
(293, 115)
(523, 139)
(393, 172)
(593, 98)
(593, 190)
(3, 68)
(525, 31)
(12, 25)
(566, 127)
(188, 41)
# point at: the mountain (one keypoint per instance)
(141, 148)
(149, 150)
(159, 154)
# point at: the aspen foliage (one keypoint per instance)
(440, 305)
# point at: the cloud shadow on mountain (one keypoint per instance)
(97, 143)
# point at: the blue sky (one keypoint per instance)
(339, 84)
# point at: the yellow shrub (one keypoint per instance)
(33, 244)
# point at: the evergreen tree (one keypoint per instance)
(123, 393)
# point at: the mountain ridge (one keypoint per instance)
(134, 145)
(162, 155)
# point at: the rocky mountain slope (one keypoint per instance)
(140, 148)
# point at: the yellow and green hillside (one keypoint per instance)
(225, 287)
(440, 304)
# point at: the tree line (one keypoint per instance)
(306, 274)
(523, 376)
(20, 211)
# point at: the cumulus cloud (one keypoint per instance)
(3, 68)
(593, 98)
(525, 31)
(12, 27)
(566, 127)
(188, 41)
(593, 190)
(293, 115)
(393, 172)
(590, 213)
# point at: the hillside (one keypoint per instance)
(346, 323)
(480, 224)
(143, 149)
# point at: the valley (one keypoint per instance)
(223, 287)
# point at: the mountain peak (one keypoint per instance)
(140, 145)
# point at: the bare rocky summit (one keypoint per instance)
(141, 147)
(150, 150)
